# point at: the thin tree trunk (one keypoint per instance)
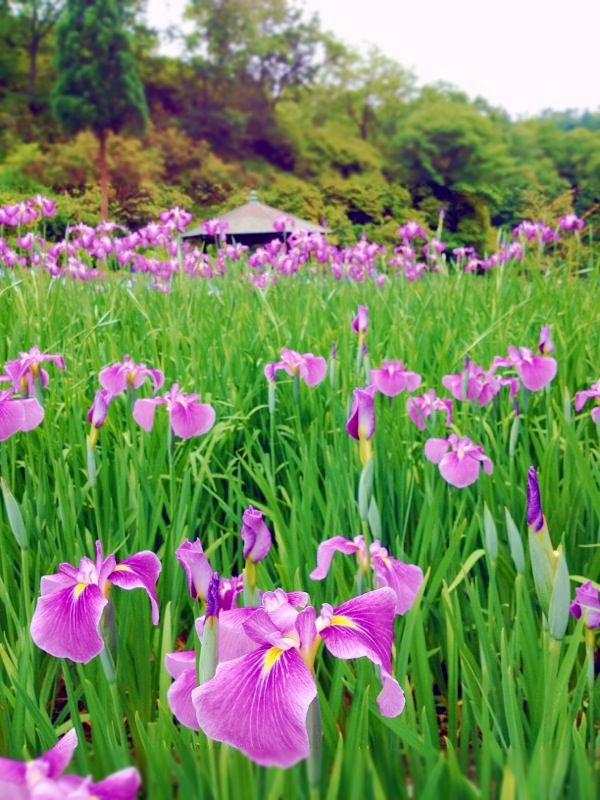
(32, 75)
(102, 138)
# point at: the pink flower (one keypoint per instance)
(392, 379)
(42, 778)
(420, 408)
(128, 375)
(310, 368)
(360, 323)
(459, 467)
(571, 222)
(188, 416)
(26, 369)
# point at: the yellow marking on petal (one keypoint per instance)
(122, 568)
(343, 622)
(272, 656)
(79, 589)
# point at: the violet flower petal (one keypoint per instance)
(314, 369)
(537, 372)
(113, 379)
(325, 552)
(65, 623)
(435, 449)
(182, 667)
(143, 411)
(123, 785)
(12, 417)
(361, 423)
(191, 419)
(404, 579)
(139, 571)
(258, 704)
(255, 535)
(459, 469)
(587, 604)
(364, 626)
(197, 568)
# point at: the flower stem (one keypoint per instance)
(315, 738)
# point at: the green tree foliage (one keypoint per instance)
(263, 98)
(247, 58)
(37, 18)
(98, 86)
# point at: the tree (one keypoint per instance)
(98, 86)
(247, 57)
(38, 18)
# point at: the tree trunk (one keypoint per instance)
(32, 75)
(102, 139)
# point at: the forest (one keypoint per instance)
(263, 98)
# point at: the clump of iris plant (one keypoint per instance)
(42, 778)
(459, 459)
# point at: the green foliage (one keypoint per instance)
(98, 87)
(494, 708)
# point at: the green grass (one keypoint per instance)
(494, 707)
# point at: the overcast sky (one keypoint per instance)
(522, 55)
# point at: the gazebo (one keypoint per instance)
(252, 224)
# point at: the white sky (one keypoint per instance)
(522, 55)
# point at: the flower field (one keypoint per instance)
(317, 525)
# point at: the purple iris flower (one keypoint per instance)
(361, 422)
(188, 416)
(404, 579)
(534, 371)
(392, 379)
(18, 414)
(411, 230)
(128, 375)
(360, 323)
(546, 345)
(199, 573)
(259, 702)
(421, 408)
(26, 369)
(67, 615)
(255, 534)
(593, 393)
(587, 604)
(475, 383)
(459, 467)
(43, 779)
(310, 368)
(99, 408)
(571, 222)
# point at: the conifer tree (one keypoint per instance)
(98, 87)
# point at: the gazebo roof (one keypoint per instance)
(255, 218)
